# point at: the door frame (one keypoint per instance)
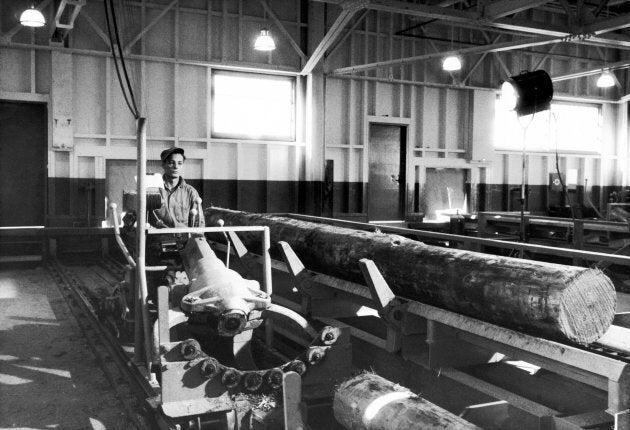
(21, 97)
(406, 132)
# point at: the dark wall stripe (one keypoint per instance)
(81, 202)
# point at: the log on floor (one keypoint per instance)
(554, 301)
(368, 401)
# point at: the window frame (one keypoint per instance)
(290, 137)
(559, 149)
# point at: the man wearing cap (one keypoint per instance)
(178, 198)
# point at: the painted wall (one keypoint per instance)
(448, 121)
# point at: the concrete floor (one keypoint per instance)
(48, 376)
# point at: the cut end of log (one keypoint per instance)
(369, 401)
(587, 307)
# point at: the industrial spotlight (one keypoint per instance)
(32, 18)
(264, 42)
(606, 79)
(452, 63)
(527, 93)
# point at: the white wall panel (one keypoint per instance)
(122, 122)
(86, 167)
(193, 34)
(336, 112)
(252, 162)
(193, 169)
(221, 161)
(43, 72)
(159, 99)
(431, 118)
(160, 40)
(89, 94)
(15, 70)
(191, 101)
(280, 162)
(339, 157)
(384, 100)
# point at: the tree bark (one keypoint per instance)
(554, 301)
(369, 402)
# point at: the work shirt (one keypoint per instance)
(176, 205)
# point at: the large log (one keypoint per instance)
(554, 301)
(369, 402)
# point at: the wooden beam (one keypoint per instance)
(497, 47)
(150, 25)
(349, 10)
(519, 25)
(508, 7)
(283, 30)
(95, 27)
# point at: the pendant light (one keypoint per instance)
(32, 18)
(452, 63)
(264, 42)
(606, 79)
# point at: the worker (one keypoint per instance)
(178, 198)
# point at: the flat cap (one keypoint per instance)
(170, 151)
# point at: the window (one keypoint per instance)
(253, 106)
(566, 126)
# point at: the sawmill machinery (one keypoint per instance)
(194, 326)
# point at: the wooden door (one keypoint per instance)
(23, 163)
(386, 187)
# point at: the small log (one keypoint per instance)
(554, 301)
(368, 402)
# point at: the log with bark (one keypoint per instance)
(369, 402)
(554, 301)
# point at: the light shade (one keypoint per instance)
(527, 93)
(451, 63)
(32, 18)
(606, 79)
(264, 42)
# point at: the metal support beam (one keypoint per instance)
(349, 10)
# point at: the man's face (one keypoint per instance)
(173, 165)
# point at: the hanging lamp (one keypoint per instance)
(264, 42)
(32, 18)
(606, 79)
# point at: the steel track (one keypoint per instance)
(131, 387)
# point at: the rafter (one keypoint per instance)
(612, 66)
(150, 25)
(283, 30)
(518, 25)
(348, 11)
(497, 47)
(508, 7)
(95, 27)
